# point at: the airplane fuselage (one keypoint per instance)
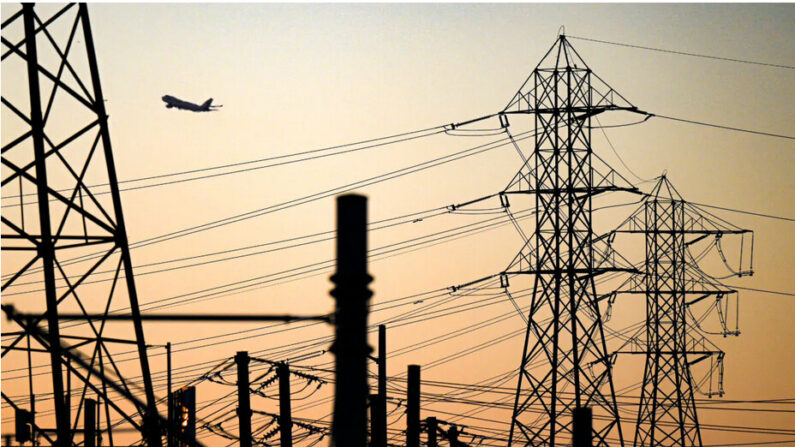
(172, 102)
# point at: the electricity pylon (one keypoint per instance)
(674, 339)
(565, 363)
(63, 227)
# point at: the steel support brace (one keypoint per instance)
(46, 247)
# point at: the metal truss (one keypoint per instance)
(565, 363)
(63, 227)
(674, 341)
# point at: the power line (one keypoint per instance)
(610, 143)
(375, 253)
(475, 150)
(775, 292)
(261, 160)
(718, 126)
(790, 441)
(734, 210)
(770, 216)
(706, 56)
(399, 318)
(404, 319)
(313, 239)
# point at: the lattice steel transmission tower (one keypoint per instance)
(65, 247)
(565, 363)
(673, 339)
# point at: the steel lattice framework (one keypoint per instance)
(563, 94)
(59, 231)
(673, 339)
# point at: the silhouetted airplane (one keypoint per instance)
(184, 105)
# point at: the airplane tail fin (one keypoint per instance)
(207, 104)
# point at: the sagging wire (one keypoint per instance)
(258, 391)
(260, 439)
(275, 418)
(217, 377)
(212, 372)
(525, 239)
(610, 143)
(722, 312)
(308, 378)
(611, 299)
(697, 321)
(216, 429)
(715, 364)
(406, 136)
(505, 285)
(740, 273)
(525, 160)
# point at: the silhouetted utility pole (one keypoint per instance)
(431, 425)
(382, 361)
(378, 401)
(583, 425)
(413, 407)
(285, 412)
(350, 348)
(99, 423)
(377, 422)
(170, 441)
(90, 423)
(243, 399)
(452, 436)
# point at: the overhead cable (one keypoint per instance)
(718, 126)
(684, 53)
(402, 138)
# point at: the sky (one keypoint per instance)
(300, 77)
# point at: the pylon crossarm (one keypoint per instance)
(454, 126)
(705, 233)
(585, 192)
(454, 289)
(457, 206)
(583, 273)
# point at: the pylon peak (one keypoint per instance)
(563, 61)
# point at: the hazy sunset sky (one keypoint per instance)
(299, 77)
